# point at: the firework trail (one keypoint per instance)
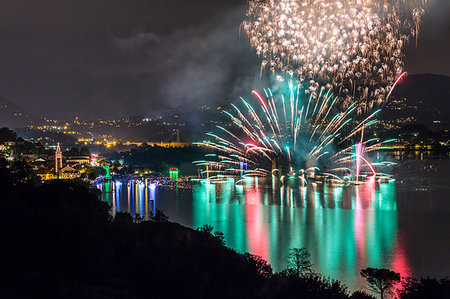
(355, 47)
(291, 133)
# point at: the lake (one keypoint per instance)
(402, 225)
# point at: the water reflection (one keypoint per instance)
(402, 226)
(344, 228)
(138, 198)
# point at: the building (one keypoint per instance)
(58, 159)
(45, 176)
(69, 173)
(78, 160)
(29, 157)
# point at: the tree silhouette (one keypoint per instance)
(160, 216)
(220, 237)
(7, 134)
(361, 295)
(95, 172)
(262, 267)
(138, 218)
(123, 218)
(84, 151)
(380, 281)
(424, 288)
(299, 263)
(207, 230)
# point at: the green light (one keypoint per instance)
(173, 174)
(106, 167)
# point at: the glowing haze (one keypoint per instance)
(354, 46)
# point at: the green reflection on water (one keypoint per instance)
(344, 228)
(107, 192)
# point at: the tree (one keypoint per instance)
(380, 281)
(160, 216)
(7, 135)
(262, 267)
(361, 295)
(208, 231)
(123, 218)
(116, 164)
(22, 173)
(220, 237)
(84, 151)
(138, 218)
(424, 288)
(299, 263)
(72, 152)
(95, 172)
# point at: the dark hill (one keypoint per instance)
(13, 116)
(59, 241)
(427, 99)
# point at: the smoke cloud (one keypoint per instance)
(205, 65)
(136, 41)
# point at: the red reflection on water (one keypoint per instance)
(365, 193)
(400, 260)
(363, 199)
(257, 232)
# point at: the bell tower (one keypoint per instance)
(58, 159)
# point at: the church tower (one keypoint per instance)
(58, 159)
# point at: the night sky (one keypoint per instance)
(113, 58)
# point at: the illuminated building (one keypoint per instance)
(28, 157)
(69, 173)
(78, 159)
(46, 176)
(58, 159)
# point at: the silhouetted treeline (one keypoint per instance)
(59, 240)
(7, 135)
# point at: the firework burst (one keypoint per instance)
(354, 46)
(291, 133)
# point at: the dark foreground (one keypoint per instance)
(59, 240)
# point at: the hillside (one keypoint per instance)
(426, 98)
(13, 116)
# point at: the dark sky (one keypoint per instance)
(112, 58)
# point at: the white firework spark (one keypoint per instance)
(354, 46)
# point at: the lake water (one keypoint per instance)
(402, 225)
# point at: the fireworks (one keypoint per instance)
(353, 46)
(291, 133)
